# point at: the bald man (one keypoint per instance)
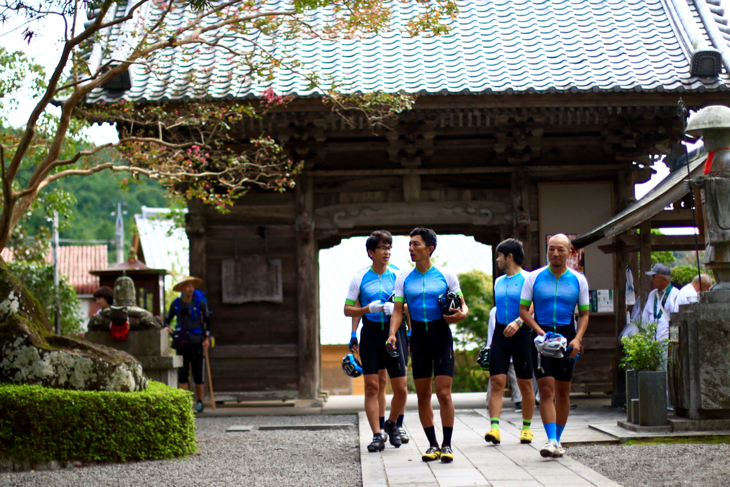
(688, 293)
(555, 290)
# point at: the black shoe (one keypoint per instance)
(393, 433)
(378, 444)
(518, 407)
(573, 406)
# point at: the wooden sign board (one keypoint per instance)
(251, 279)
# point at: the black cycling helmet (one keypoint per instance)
(448, 301)
(351, 366)
(483, 359)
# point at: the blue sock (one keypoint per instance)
(399, 423)
(550, 430)
(559, 430)
(382, 421)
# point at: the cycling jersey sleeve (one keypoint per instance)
(584, 299)
(400, 296)
(492, 323)
(526, 296)
(452, 282)
(353, 293)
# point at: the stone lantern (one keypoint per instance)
(699, 348)
(713, 124)
(147, 341)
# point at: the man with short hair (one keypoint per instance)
(511, 341)
(662, 300)
(554, 291)
(432, 347)
(368, 297)
(689, 293)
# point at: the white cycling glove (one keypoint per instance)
(388, 308)
(375, 307)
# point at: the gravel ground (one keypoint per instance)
(658, 465)
(254, 458)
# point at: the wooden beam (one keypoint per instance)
(307, 293)
(254, 351)
(665, 241)
(644, 259)
(461, 170)
(195, 222)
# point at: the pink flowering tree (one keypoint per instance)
(188, 146)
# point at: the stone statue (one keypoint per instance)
(713, 124)
(124, 296)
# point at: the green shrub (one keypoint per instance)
(642, 351)
(40, 424)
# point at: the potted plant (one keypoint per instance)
(644, 355)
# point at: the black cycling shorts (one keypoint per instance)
(373, 354)
(518, 347)
(193, 357)
(557, 368)
(432, 350)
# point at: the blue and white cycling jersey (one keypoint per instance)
(555, 297)
(421, 292)
(507, 293)
(368, 286)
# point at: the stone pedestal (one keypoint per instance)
(150, 347)
(652, 398)
(699, 354)
(632, 392)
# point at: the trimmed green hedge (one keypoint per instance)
(40, 424)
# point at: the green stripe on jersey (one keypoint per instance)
(350, 302)
(584, 307)
(525, 302)
(400, 299)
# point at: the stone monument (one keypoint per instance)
(147, 341)
(699, 335)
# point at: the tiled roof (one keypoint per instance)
(496, 46)
(75, 262)
(338, 264)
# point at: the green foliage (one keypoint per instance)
(641, 350)
(41, 424)
(476, 286)
(662, 257)
(683, 274)
(468, 375)
(37, 277)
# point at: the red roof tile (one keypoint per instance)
(75, 262)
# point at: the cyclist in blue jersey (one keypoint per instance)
(555, 290)
(368, 297)
(511, 341)
(432, 348)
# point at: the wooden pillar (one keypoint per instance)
(645, 259)
(195, 228)
(522, 219)
(307, 292)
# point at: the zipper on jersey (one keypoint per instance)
(555, 303)
(380, 295)
(423, 294)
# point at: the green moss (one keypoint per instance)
(41, 424)
(710, 440)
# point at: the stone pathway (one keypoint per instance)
(476, 462)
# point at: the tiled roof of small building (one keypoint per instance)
(496, 46)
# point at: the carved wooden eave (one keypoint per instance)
(329, 220)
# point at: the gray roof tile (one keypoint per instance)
(496, 46)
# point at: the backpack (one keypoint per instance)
(198, 299)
